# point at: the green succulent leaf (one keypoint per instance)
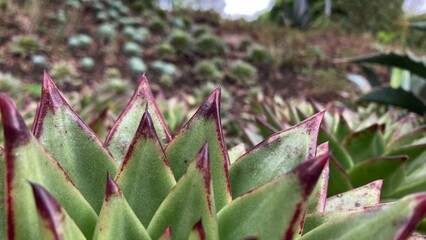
(317, 199)
(397, 97)
(269, 212)
(408, 138)
(375, 168)
(416, 155)
(339, 152)
(339, 180)
(145, 177)
(205, 125)
(274, 156)
(121, 134)
(367, 195)
(314, 220)
(341, 128)
(406, 61)
(189, 202)
(73, 144)
(365, 144)
(116, 219)
(394, 221)
(27, 160)
(54, 221)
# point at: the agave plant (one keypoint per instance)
(367, 145)
(62, 182)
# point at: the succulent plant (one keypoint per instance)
(158, 26)
(106, 30)
(182, 42)
(25, 45)
(9, 83)
(131, 49)
(367, 145)
(259, 55)
(209, 45)
(165, 51)
(87, 63)
(62, 182)
(207, 71)
(39, 61)
(136, 65)
(64, 72)
(243, 72)
(79, 41)
(164, 67)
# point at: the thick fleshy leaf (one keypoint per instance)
(274, 156)
(374, 169)
(74, 145)
(204, 126)
(409, 137)
(27, 160)
(317, 200)
(121, 134)
(236, 152)
(116, 219)
(2, 193)
(339, 180)
(365, 144)
(397, 97)
(406, 61)
(339, 152)
(366, 195)
(341, 129)
(264, 127)
(314, 220)
(197, 232)
(54, 221)
(188, 202)
(416, 155)
(394, 221)
(145, 177)
(270, 212)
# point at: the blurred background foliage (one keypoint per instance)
(353, 52)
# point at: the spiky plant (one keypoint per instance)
(185, 187)
(367, 145)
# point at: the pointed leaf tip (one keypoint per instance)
(15, 130)
(52, 95)
(310, 170)
(146, 127)
(48, 208)
(198, 228)
(111, 188)
(210, 107)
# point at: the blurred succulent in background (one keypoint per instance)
(210, 45)
(164, 67)
(165, 51)
(158, 26)
(9, 83)
(182, 42)
(369, 144)
(131, 49)
(65, 72)
(259, 55)
(39, 61)
(25, 45)
(87, 63)
(207, 71)
(105, 31)
(243, 72)
(79, 41)
(136, 65)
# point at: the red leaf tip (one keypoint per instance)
(111, 188)
(203, 163)
(210, 107)
(14, 127)
(418, 213)
(198, 228)
(48, 208)
(51, 95)
(310, 170)
(146, 127)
